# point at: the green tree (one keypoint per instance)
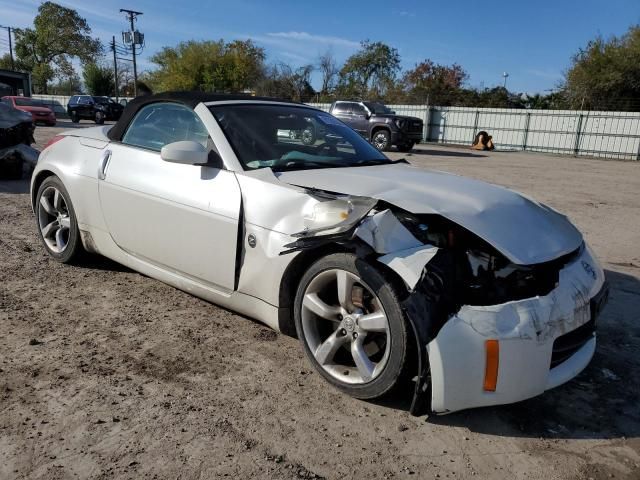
(208, 66)
(370, 71)
(98, 79)
(434, 83)
(605, 75)
(17, 64)
(66, 85)
(58, 33)
(5, 62)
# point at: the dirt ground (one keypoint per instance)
(106, 373)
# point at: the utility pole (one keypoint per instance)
(134, 36)
(13, 65)
(115, 65)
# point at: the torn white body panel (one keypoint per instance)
(410, 263)
(385, 234)
(526, 330)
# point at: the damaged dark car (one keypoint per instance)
(16, 137)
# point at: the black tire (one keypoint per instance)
(395, 369)
(74, 247)
(74, 117)
(381, 139)
(407, 147)
(99, 119)
(308, 136)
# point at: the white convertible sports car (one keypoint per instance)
(387, 273)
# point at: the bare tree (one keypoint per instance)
(329, 69)
(301, 80)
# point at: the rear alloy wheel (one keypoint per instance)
(99, 118)
(351, 326)
(56, 220)
(381, 140)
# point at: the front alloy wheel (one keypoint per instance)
(381, 140)
(351, 325)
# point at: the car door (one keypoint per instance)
(181, 218)
(85, 106)
(360, 119)
(342, 111)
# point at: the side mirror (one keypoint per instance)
(186, 152)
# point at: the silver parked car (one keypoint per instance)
(387, 273)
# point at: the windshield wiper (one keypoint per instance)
(380, 161)
(307, 165)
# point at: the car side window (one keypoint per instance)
(85, 101)
(342, 108)
(159, 124)
(358, 109)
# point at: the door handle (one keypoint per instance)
(104, 163)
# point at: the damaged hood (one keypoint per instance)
(523, 230)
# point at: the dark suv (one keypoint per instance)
(380, 125)
(93, 108)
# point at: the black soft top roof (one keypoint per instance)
(190, 99)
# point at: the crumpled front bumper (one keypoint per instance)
(526, 331)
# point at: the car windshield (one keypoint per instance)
(378, 108)
(27, 102)
(292, 138)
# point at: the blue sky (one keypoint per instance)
(531, 40)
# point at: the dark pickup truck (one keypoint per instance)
(378, 124)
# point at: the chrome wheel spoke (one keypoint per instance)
(363, 364)
(345, 288)
(319, 307)
(57, 201)
(327, 349)
(374, 322)
(50, 230)
(60, 241)
(46, 204)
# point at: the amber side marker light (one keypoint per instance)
(492, 348)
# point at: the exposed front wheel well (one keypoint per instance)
(297, 268)
(290, 280)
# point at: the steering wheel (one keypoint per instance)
(327, 149)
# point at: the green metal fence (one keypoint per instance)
(580, 133)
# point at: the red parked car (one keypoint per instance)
(39, 112)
